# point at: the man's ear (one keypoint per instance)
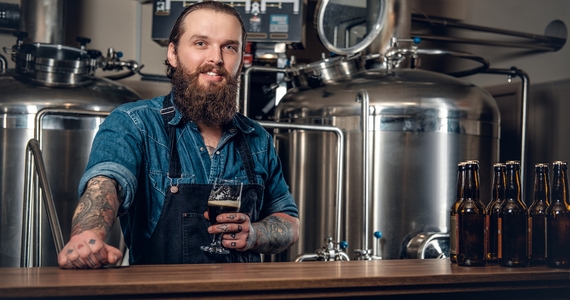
(171, 55)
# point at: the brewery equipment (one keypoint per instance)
(49, 96)
(416, 125)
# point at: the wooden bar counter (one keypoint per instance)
(396, 279)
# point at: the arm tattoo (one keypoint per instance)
(98, 206)
(274, 234)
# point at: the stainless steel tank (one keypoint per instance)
(52, 77)
(420, 125)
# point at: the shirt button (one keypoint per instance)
(232, 130)
(218, 152)
(201, 148)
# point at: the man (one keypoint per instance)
(153, 162)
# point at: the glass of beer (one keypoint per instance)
(225, 197)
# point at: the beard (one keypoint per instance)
(212, 104)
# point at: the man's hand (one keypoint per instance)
(92, 221)
(236, 229)
(87, 251)
(271, 235)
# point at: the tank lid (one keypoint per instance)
(55, 65)
(349, 27)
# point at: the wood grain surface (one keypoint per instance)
(396, 278)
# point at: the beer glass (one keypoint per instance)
(225, 197)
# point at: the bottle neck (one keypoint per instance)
(541, 186)
(472, 182)
(499, 185)
(559, 185)
(460, 182)
(513, 188)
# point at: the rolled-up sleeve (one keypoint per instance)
(116, 153)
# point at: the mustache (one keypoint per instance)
(209, 68)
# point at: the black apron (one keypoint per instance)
(182, 228)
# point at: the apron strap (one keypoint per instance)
(246, 157)
(167, 113)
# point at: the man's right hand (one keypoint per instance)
(87, 250)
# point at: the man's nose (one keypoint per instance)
(215, 57)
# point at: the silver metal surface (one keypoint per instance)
(349, 27)
(421, 125)
(364, 99)
(339, 163)
(428, 245)
(43, 21)
(65, 141)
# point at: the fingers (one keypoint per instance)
(87, 251)
(232, 218)
(235, 228)
(114, 255)
(235, 240)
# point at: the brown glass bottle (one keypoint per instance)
(492, 216)
(537, 216)
(453, 213)
(513, 222)
(471, 221)
(558, 219)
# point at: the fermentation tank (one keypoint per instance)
(49, 95)
(420, 125)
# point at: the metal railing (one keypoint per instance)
(34, 201)
(339, 167)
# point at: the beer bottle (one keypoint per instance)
(492, 217)
(471, 221)
(558, 219)
(453, 213)
(513, 221)
(537, 216)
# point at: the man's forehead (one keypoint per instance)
(215, 16)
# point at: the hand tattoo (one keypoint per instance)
(223, 227)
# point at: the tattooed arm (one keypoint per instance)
(274, 234)
(271, 235)
(92, 221)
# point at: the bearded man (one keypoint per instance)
(153, 162)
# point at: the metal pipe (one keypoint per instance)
(28, 260)
(28, 256)
(340, 161)
(458, 40)
(524, 103)
(3, 63)
(43, 21)
(246, 82)
(364, 100)
(549, 42)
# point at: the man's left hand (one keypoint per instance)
(236, 229)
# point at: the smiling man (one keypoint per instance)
(153, 162)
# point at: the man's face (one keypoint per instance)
(207, 62)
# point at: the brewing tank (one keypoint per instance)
(49, 96)
(420, 125)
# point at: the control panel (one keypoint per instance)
(266, 21)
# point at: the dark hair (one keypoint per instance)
(178, 28)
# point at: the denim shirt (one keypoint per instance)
(132, 147)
